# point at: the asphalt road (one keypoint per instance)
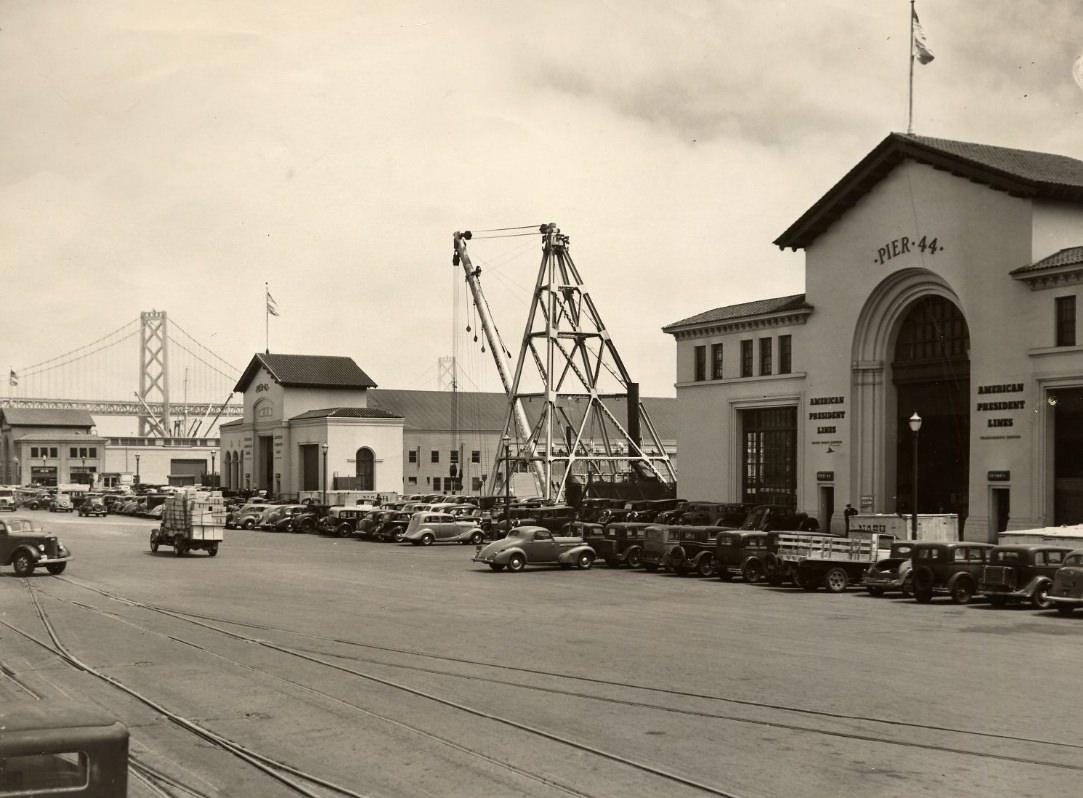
(391, 670)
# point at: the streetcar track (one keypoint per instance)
(856, 736)
(183, 615)
(479, 713)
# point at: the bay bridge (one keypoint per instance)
(150, 368)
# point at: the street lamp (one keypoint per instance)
(84, 472)
(18, 473)
(507, 480)
(324, 448)
(214, 484)
(137, 480)
(915, 427)
(43, 481)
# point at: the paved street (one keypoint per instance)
(388, 670)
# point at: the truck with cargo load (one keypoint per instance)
(191, 520)
(829, 560)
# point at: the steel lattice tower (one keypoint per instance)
(154, 373)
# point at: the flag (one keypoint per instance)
(921, 48)
(272, 308)
(13, 380)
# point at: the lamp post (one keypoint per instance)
(43, 471)
(137, 480)
(214, 484)
(915, 427)
(507, 480)
(324, 448)
(85, 477)
(18, 473)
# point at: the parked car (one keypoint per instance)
(294, 518)
(740, 552)
(342, 522)
(894, 572)
(25, 548)
(392, 527)
(658, 541)
(618, 543)
(951, 569)
(92, 507)
(1022, 573)
(1067, 591)
(427, 528)
(695, 553)
(245, 517)
(535, 545)
(61, 504)
(779, 517)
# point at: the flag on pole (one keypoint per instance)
(13, 380)
(272, 308)
(921, 47)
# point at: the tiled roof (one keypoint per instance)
(346, 412)
(1018, 172)
(1072, 256)
(309, 371)
(41, 417)
(761, 307)
(434, 410)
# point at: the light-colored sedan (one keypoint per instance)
(426, 528)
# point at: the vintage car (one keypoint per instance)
(91, 507)
(951, 569)
(1067, 591)
(1018, 572)
(893, 573)
(61, 504)
(392, 527)
(25, 548)
(617, 543)
(659, 540)
(740, 552)
(245, 517)
(342, 522)
(297, 518)
(695, 554)
(535, 545)
(427, 528)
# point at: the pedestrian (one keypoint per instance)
(846, 514)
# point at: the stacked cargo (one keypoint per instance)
(195, 514)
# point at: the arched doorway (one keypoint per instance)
(911, 323)
(931, 372)
(365, 469)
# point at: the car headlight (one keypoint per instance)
(41, 547)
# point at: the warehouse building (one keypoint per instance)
(942, 280)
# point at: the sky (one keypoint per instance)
(189, 156)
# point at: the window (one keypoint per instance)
(1065, 321)
(411, 480)
(746, 358)
(716, 361)
(73, 452)
(454, 455)
(765, 356)
(435, 456)
(93, 451)
(785, 354)
(475, 456)
(701, 364)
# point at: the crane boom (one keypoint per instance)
(522, 423)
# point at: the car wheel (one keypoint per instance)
(477, 538)
(922, 583)
(178, 547)
(836, 580)
(1065, 609)
(1040, 599)
(962, 591)
(154, 540)
(308, 526)
(516, 562)
(705, 568)
(56, 568)
(343, 530)
(23, 564)
(249, 523)
(212, 549)
(290, 526)
(496, 566)
(634, 557)
(875, 591)
(752, 572)
(427, 539)
(584, 561)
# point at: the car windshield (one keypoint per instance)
(517, 533)
(1074, 561)
(19, 525)
(755, 518)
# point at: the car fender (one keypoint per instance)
(955, 577)
(1035, 584)
(29, 548)
(466, 534)
(751, 558)
(504, 555)
(701, 555)
(571, 555)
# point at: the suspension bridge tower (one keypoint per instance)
(154, 372)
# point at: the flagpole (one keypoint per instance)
(910, 113)
(267, 311)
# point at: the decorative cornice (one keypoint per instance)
(737, 325)
(1055, 278)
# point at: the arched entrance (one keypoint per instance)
(931, 373)
(911, 353)
(365, 472)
